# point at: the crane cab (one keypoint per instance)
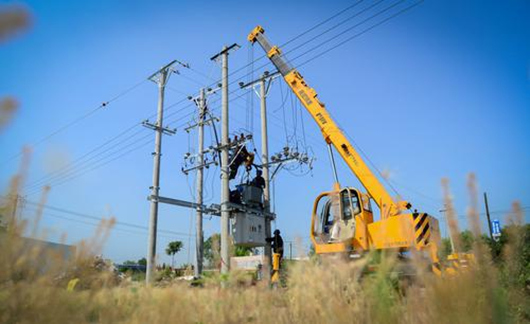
(339, 221)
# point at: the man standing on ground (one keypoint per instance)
(276, 243)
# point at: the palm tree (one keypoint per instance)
(172, 249)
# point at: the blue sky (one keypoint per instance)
(440, 91)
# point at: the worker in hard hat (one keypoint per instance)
(277, 247)
(276, 243)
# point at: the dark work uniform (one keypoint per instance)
(237, 161)
(259, 182)
(276, 244)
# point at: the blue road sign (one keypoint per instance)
(496, 228)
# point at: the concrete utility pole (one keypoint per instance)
(225, 187)
(488, 215)
(201, 163)
(160, 77)
(200, 172)
(265, 161)
(264, 85)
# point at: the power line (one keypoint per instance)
(290, 41)
(320, 24)
(169, 107)
(104, 104)
(85, 165)
(97, 166)
(318, 46)
(99, 219)
(342, 22)
(84, 158)
(349, 39)
(97, 225)
(74, 173)
(400, 12)
(201, 84)
(201, 74)
(78, 119)
(497, 212)
(72, 168)
(308, 41)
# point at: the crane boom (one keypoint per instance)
(330, 130)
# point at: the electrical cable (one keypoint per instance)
(201, 73)
(97, 225)
(83, 215)
(168, 107)
(306, 53)
(321, 23)
(71, 168)
(400, 12)
(97, 166)
(84, 164)
(80, 161)
(291, 51)
(77, 120)
(292, 39)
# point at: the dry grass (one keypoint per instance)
(34, 285)
(33, 289)
(13, 20)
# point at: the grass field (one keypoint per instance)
(36, 284)
(33, 289)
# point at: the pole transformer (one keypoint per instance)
(264, 83)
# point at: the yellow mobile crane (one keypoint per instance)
(350, 226)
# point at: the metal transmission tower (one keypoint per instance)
(225, 188)
(160, 77)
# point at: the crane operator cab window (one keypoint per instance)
(336, 216)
